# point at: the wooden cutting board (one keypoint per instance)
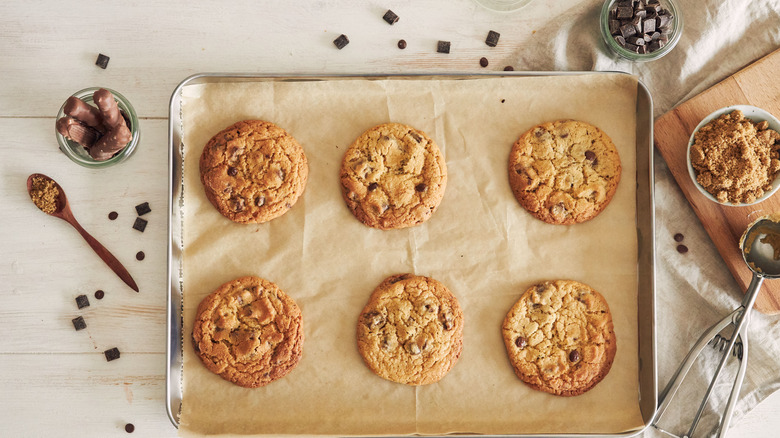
(755, 85)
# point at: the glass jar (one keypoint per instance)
(674, 34)
(78, 154)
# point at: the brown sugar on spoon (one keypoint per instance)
(44, 194)
(735, 159)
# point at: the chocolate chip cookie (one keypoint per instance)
(560, 338)
(564, 172)
(249, 332)
(393, 176)
(411, 330)
(253, 171)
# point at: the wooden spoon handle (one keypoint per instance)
(107, 257)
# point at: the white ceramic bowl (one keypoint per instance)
(750, 112)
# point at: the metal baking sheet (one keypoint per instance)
(648, 394)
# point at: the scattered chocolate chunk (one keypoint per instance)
(140, 224)
(679, 237)
(492, 38)
(682, 249)
(102, 61)
(112, 354)
(341, 41)
(129, 428)
(99, 294)
(503, 100)
(140, 255)
(113, 215)
(142, 209)
(483, 61)
(521, 342)
(390, 17)
(79, 323)
(373, 186)
(509, 68)
(420, 187)
(401, 44)
(443, 47)
(82, 301)
(574, 356)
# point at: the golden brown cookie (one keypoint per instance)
(560, 338)
(411, 330)
(249, 332)
(393, 176)
(564, 172)
(253, 171)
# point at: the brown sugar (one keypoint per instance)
(735, 159)
(44, 194)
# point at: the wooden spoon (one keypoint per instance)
(62, 211)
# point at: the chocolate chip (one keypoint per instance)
(375, 321)
(79, 323)
(373, 186)
(509, 68)
(82, 301)
(260, 201)
(682, 249)
(447, 320)
(232, 171)
(483, 61)
(102, 61)
(129, 428)
(412, 348)
(420, 187)
(574, 356)
(390, 17)
(590, 156)
(399, 278)
(679, 237)
(521, 342)
(492, 38)
(112, 354)
(142, 209)
(341, 41)
(113, 215)
(99, 294)
(140, 224)
(140, 255)
(443, 47)
(401, 44)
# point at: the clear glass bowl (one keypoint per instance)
(612, 44)
(78, 154)
(503, 5)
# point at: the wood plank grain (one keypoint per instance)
(755, 85)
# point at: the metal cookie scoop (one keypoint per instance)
(760, 246)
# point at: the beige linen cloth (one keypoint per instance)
(694, 290)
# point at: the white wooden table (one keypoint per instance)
(55, 381)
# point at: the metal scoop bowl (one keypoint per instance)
(760, 245)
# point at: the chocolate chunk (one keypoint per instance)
(401, 44)
(82, 301)
(614, 27)
(113, 215)
(341, 41)
(443, 47)
(640, 13)
(679, 237)
(648, 25)
(420, 187)
(641, 49)
(574, 356)
(627, 30)
(662, 21)
(232, 171)
(682, 249)
(140, 224)
(483, 61)
(390, 17)
(102, 61)
(652, 46)
(99, 294)
(140, 255)
(637, 23)
(79, 323)
(521, 342)
(636, 40)
(620, 40)
(590, 156)
(260, 201)
(129, 428)
(373, 186)
(375, 321)
(492, 38)
(142, 209)
(509, 68)
(624, 12)
(112, 354)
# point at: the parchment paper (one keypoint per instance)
(480, 243)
